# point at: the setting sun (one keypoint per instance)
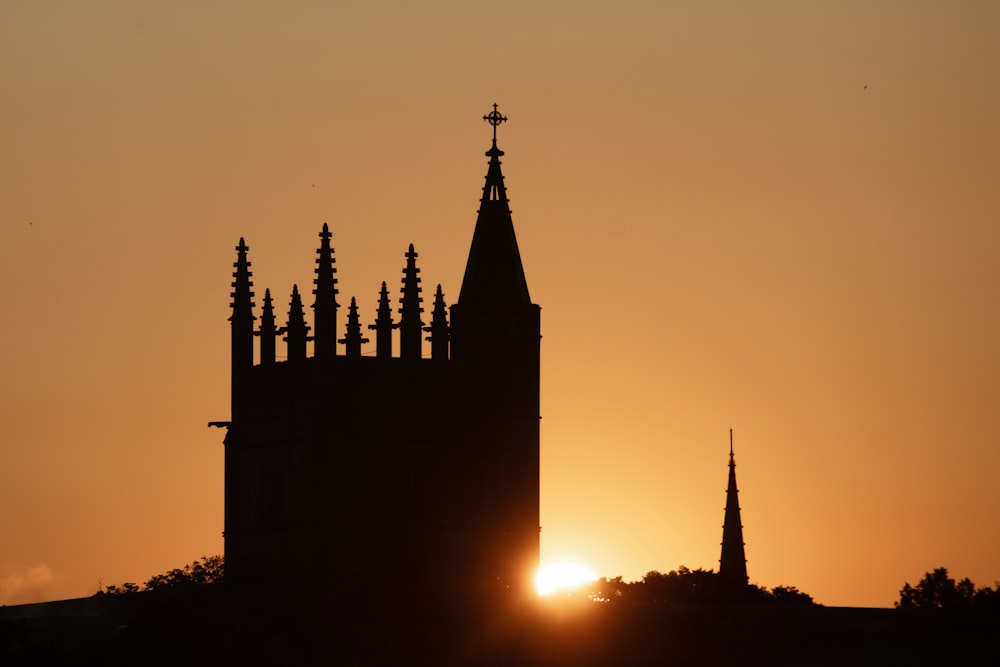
(563, 576)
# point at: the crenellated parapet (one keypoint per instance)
(296, 331)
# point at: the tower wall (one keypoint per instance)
(496, 352)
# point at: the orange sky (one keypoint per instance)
(776, 217)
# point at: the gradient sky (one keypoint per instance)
(780, 217)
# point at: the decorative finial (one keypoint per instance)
(494, 118)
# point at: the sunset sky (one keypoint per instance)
(777, 217)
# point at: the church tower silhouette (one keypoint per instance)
(385, 472)
(733, 561)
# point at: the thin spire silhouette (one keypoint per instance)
(383, 325)
(410, 324)
(296, 330)
(352, 339)
(438, 328)
(733, 561)
(268, 331)
(241, 322)
(325, 306)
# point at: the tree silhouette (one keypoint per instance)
(790, 595)
(208, 570)
(697, 586)
(937, 590)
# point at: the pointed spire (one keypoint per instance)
(242, 293)
(494, 273)
(733, 561)
(383, 325)
(353, 340)
(242, 323)
(439, 327)
(410, 324)
(296, 331)
(268, 331)
(325, 306)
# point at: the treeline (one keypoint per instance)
(937, 590)
(691, 586)
(184, 617)
(208, 570)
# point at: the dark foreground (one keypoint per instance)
(207, 628)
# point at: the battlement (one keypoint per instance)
(295, 332)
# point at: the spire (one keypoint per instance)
(325, 306)
(353, 340)
(268, 332)
(733, 562)
(439, 327)
(410, 324)
(383, 325)
(296, 331)
(494, 273)
(242, 295)
(242, 322)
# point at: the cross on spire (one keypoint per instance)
(494, 118)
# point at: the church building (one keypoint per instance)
(415, 468)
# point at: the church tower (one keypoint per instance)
(733, 562)
(495, 344)
(407, 472)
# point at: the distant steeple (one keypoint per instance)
(410, 325)
(325, 306)
(353, 340)
(296, 331)
(494, 273)
(383, 325)
(268, 331)
(733, 562)
(439, 327)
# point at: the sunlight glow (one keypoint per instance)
(562, 577)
